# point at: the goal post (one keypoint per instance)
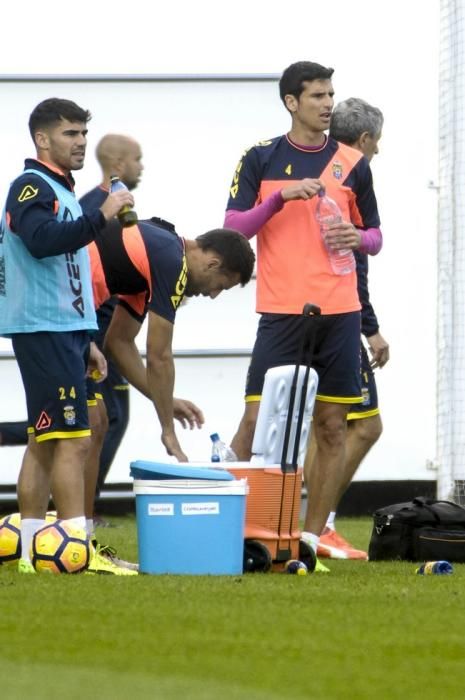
(450, 394)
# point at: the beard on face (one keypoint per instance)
(192, 288)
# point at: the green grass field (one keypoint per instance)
(365, 631)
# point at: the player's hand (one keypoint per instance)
(305, 189)
(379, 349)
(97, 368)
(187, 413)
(172, 446)
(343, 235)
(115, 202)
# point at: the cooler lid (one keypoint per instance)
(158, 470)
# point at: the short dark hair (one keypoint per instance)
(352, 117)
(233, 247)
(291, 82)
(53, 110)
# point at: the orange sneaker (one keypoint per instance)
(333, 546)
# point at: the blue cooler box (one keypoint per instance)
(190, 519)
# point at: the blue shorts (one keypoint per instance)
(53, 369)
(369, 405)
(115, 380)
(94, 393)
(336, 356)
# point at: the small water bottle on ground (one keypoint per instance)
(327, 213)
(435, 567)
(294, 566)
(220, 451)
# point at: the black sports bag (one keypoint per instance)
(420, 530)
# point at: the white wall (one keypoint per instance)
(192, 136)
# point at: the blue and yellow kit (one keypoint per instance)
(292, 263)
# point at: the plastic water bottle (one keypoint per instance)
(294, 566)
(220, 451)
(216, 447)
(435, 567)
(126, 215)
(327, 213)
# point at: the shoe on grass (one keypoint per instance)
(25, 567)
(320, 568)
(101, 562)
(110, 553)
(333, 546)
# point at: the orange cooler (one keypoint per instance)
(272, 509)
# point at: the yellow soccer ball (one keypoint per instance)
(59, 548)
(10, 538)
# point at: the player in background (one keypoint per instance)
(358, 124)
(121, 155)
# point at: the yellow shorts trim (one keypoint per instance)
(340, 399)
(30, 430)
(63, 436)
(253, 398)
(365, 414)
(121, 387)
(97, 397)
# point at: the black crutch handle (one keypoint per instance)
(308, 311)
(311, 310)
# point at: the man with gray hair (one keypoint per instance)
(356, 123)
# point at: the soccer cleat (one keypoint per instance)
(25, 567)
(333, 546)
(110, 553)
(103, 563)
(320, 568)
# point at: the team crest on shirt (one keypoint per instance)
(69, 414)
(337, 170)
(28, 192)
